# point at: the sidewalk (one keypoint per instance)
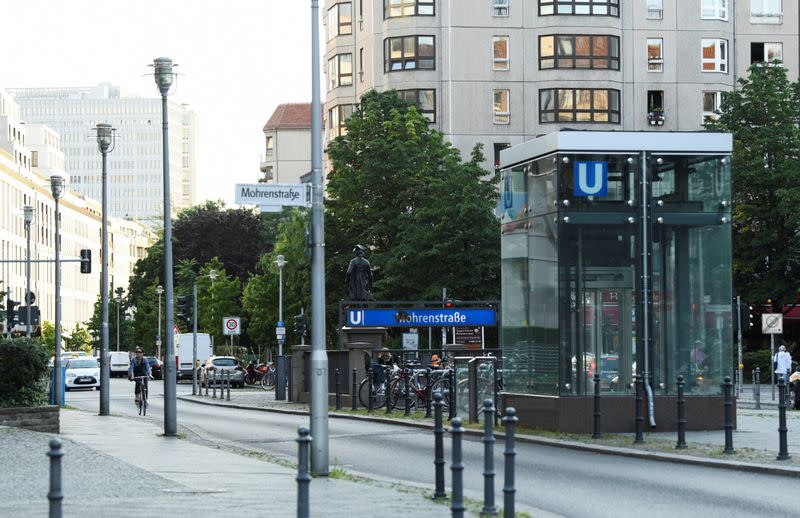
(122, 467)
(755, 439)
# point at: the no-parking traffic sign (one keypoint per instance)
(772, 323)
(231, 326)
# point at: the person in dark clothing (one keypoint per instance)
(383, 360)
(139, 367)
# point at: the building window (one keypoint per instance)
(500, 50)
(34, 159)
(398, 8)
(337, 116)
(714, 9)
(571, 7)
(766, 52)
(655, 9)
(340, 20)
(715, 55)
(498, 147)
(573, 51)
(655, 57)
(766, 11)
(579, 105)
(340, 71)
(361, 64)
(424, 100)
(500, 106)
(711, 104)
(270, 146)
(499, 7)
(655, 107)
(409, 53)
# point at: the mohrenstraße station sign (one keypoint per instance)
(287, 195)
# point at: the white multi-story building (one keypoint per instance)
(29, 155)
(135, 165)
(499, 72)
(287, 139)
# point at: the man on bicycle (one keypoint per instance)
(139, 368)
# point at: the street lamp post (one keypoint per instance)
(164, 76)
(212, 274)
(160, 291)
(118, 300)
(105, 143)
(28, 214)
(57, 188)
(281, 262)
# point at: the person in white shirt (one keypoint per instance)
(783, 363)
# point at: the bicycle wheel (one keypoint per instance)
(144, 403)
(444, 386)
(268, 381)
(397, 394)
(378, 394)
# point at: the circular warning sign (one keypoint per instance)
(231, 326)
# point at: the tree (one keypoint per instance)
(127, 338)
(427, 217)
(216, 299)
(763, 117)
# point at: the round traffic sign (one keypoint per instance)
(231, 324)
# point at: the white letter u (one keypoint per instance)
(597, 185)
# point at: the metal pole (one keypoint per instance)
(319, 359)
(194, 338)
(58, 380)
(28, 276)
(597, 434)
(117, 300)
(771, 359)
(228, 395)
(783, 452)
(757, 387)
(407, 390)
(639, 417)
(489, 509)
(338, 390)
(739, 337)
(681, 416)
(457, 469)
(280, 301)
(303, 476)
(163, 67)
(158, 340)
(726, 388)
(438, 445)
(354, 391)
(371, 397)
(427, 392)
(105, 366)
(509, 421)
(55, 496)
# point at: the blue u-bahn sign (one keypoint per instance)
(421, 317)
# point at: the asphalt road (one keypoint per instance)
(559, 481)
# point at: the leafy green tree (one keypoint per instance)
(763, 114)
(399, 188)
(127, 335)
(216, 299)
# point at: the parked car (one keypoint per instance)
(155, 367)
(82, 372)
(120, 362)
(228, 364)
(609, 368)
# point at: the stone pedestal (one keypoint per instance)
(361, 340)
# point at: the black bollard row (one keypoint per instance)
(55, 495)
(228, 397)
(370, 398)
(726, 389)
(489, 509)
(303, 474)
(338, 389)
(509, 421)
(407, 391)
(457, 507)
(214, 386)
(451, 396)
(597, 433)
(783, 450)
(354, 390)
(639, 415)
(681, 415)
(428, 392)
(438, 445)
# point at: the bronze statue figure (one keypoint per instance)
(359, 276)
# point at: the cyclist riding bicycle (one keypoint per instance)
(139, 368)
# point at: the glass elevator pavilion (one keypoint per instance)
(616, 260)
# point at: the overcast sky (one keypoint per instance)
(239, 59)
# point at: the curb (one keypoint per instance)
(544, 441)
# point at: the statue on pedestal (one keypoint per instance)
(359, 276)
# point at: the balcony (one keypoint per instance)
(655, 118)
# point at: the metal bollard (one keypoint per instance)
(509, 421)
(370, 398)
(387, 399)
(639, 417)
(457, 468)
(206, 384)
(726, 390)
(757, 387)
(489, 509)
(438, 445)
(338, 390)
(228, 398)
(303, 475)
(451, 397)
(783, 451)
(428, 392)
(55, 495)
(408, 389)
(597, 434)
(214, 386)
(681, 415)
(354, 390)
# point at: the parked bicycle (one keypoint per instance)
(413, 383)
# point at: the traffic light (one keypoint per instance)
(86, 261)
(745, 315)
(11, 313)
(300, 325)
(448, 304)
(184, 311)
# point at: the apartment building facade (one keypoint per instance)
(135, 166)
(500, 72)
(287, 144)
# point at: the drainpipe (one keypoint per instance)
(645, 293)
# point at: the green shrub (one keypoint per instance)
(24, 374)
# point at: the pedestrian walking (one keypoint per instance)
(782, 361)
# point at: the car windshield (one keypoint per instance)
(82, 364)
(609, 364)
(226, 362)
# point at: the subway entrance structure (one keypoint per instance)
(616, 260)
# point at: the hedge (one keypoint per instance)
(24, 374)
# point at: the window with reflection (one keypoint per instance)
(715, 55)
(655, 55)
(766, 11)
(400, 8)
(579, 105)
(340, 71)
(424, 100)
(340, 20)
(409, 53)
(712, 101)
(578, 51)
(579, 7)
(500, 107)
(500, 52)
(337, 116)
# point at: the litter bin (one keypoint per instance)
(63, 386)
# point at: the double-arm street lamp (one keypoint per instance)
(105, 144)
(164, 77)
(57, 189)
(28, 214)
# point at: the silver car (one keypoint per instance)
(216, 365)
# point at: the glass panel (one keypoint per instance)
(565, 99)
(396, 48)
(426, 102)
(691, 183)
(565, 47)
(500, 45)
(583, 45)
(583, 99)
(546, 100)
(546, 46)
(408, 48)
(601, 99)
(600, 46)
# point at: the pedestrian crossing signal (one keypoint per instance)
(86, 261)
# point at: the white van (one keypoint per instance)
(183, 352)
(120, 361)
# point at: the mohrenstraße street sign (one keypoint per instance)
(273, 195)
(421, 317)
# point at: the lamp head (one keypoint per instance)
(28, 213)
(212, 274)
(163, 74)
(159, 289)
(105, 136)
(280, 261)
(57, 186)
